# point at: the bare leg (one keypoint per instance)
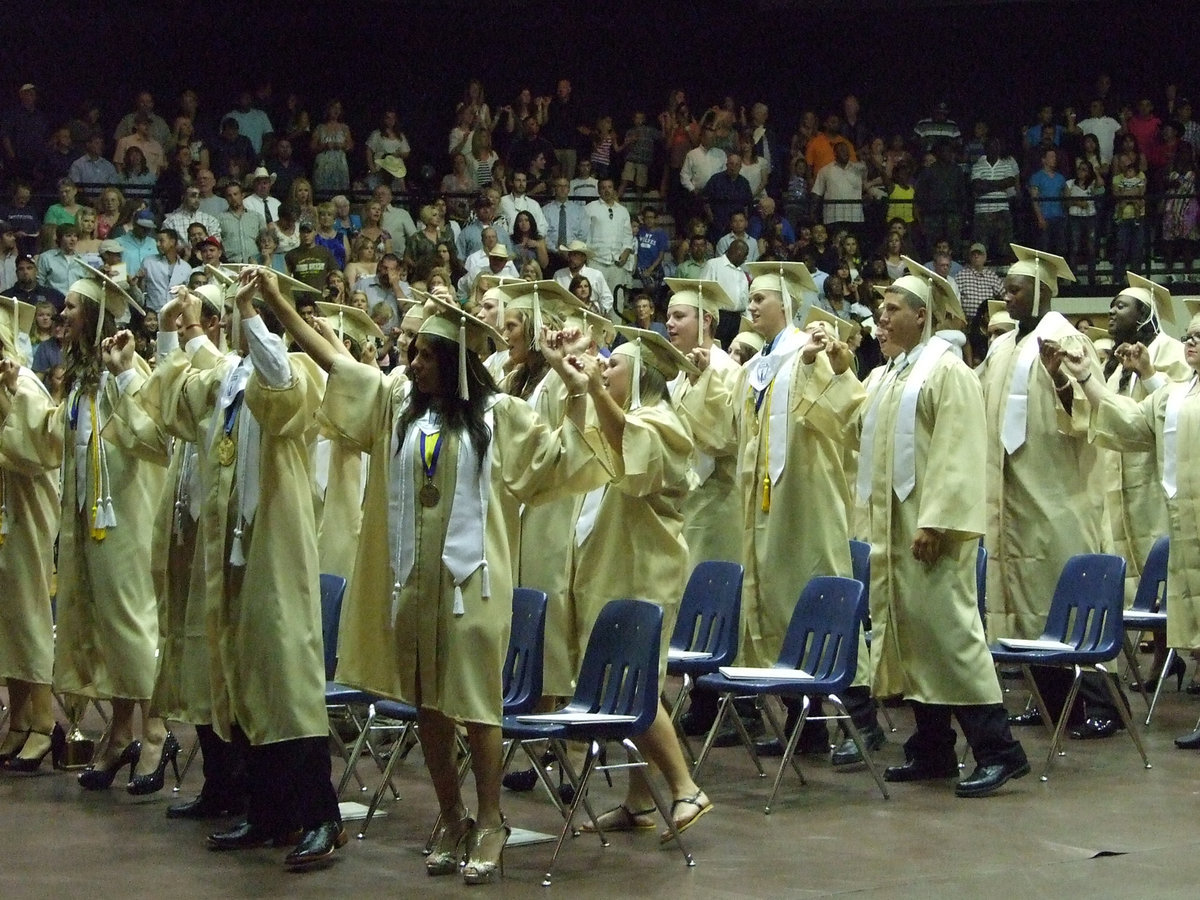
(437, 744)
(660, 746)
(154, 736)
(20, 716)
(120, 732)
(39, 718)
(487, 754)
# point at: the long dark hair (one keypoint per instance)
(528, 374)
(458, 415)
(83, 360)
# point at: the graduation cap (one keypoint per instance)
(107, 294)
(226, 279)
(998, 316)
(601, 328)
(1044, 268)
(1192, 305)
(393, 165)
(1099, 337)
(350, 321)
(649, 348)
(542, 300)
(941, 302)
(452, 322)
(486, 287)
(215, 294)
(1156, 297)
(788, 279)
(16, 317)
(747, 337)
(842, 329)
(701, 294)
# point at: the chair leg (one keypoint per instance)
(352, 756)
(1161, 678)
(887, 717)
(663, 808)
(789, 751)
(856, 736)
(723, 706)
(589, 763)
(559, 749)
(187, 764)
(676, 708)
(1061, 725)
(780, 730)
(1126, 718)
(395, 757)
(1135, 672)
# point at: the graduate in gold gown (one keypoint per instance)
(29, 512)
(451, 462)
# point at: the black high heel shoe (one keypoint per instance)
(5, 757)
(152, 782)
(101, 779)
(1178, 668)
(58, 743)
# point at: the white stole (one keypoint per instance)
(1171, 435)
(1016, 410)
(772, 370)
(249, 446)
(588, 512)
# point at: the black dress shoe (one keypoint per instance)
(1095, 727)
(201, 808)
(694, 725)
(245, 836)
(847, 753)
(815, 744)
(1031, 716)
(1189, 741)
(521, 781)
(987, 779)
(727, 737)
(915, 770)
(316, 845)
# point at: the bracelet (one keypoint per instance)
(574, 396)
(1084, 380)
(1065, 386)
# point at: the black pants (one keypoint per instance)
(1093, 700)
(985, 728)
(224, 769)
(727, 327)
(288, 783)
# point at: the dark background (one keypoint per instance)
(992, 60)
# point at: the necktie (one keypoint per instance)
(267, 209)
(562, 223)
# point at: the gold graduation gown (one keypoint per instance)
(266, 656)
(636, 548)
(107, 629)
(805, 532)
(1042, 506)
(712, 510)
(341, 510)
(29, 512)
(1124, 424)
(1134, 505)
(928, 642)
(423, 652)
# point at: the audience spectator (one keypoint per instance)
(161, 272)
(310, 262)
(253, 123)
(1046, 189)
(240, 226)
(1044, 124)
(159, 131)
(331, 141)
(20, 212)
(1180, 229)
(939, 125)
(24, 130)
(188, 212)
(564, 125)
(565, 219)
(528, 241)
(610, 236)
(517, 200)
(838, 190)
(1101, 126)
(726, 192)
(653, 247)
(739, 222)
(585, 187)
(284, 168)
(702, 162)
(386, 140)
(993, 176)
(1129, 211)
(92, 168)
(141, 138)
(1081, 193)
(260, 200)
(232, 154)
(977, 284)
(941, 197)
(600, 298)
(66, 209)
(137, 243)
(300, 197)
(821, 149)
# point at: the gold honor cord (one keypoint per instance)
(98, 531)
(766, 445)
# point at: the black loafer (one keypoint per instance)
(520, 781)
(914, 770)
(695, 725)
(847, 753)
(316, 845)
(201, 808)
(987, 779)
(1031, 716)
(245, 836)
(1189, 741)
(1095, 727)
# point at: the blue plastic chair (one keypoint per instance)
(1148, 612)
(1085, 613)
(522, 678)
(981, 563)
(860, 570)
(708, 623)
(822, 640)
(618, 678)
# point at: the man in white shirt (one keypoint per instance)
(384, 286)
(577, 257)
(839, 189)
(162, 271)
(518, 201)
(565, 219)
(702, 162)
(1103, 126)
(189, 211)
(396, 219)
(261, 201)
(252, 122)
(727, 271)
(492, 258)
(610, 236)
(737, 232)
(584, 186)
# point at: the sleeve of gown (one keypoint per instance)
(540, 464)
(828, 403)
(708, 410)
(1077, 422)
(287, 409)
(1122, 423)
(953, 496)
(357, 397)
(132, 427)
(31, 430)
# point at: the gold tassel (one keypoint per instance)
(766, 497)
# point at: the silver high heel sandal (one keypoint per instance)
(479, 870)
(447, 854)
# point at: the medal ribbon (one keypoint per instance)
(429, 455)
(231, 412)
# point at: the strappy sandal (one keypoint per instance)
(703, 807)
(622, 818)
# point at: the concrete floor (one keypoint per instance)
(1102, 826)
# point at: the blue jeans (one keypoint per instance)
(1082, 234)
(1129, 240)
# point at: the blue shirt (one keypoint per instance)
(86, 170)
(135, 252)
(1050, 187)
(650, 243)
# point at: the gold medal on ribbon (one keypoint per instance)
(429, 495)
(226, 451)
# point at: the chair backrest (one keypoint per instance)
(1086, 611)
(333, 589)
(860, 568)
(1151, 595)
(981, 559)
(619, 672)
(526, 650)
(822, 636)
(710, 612)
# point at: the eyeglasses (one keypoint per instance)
(1192, 337)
